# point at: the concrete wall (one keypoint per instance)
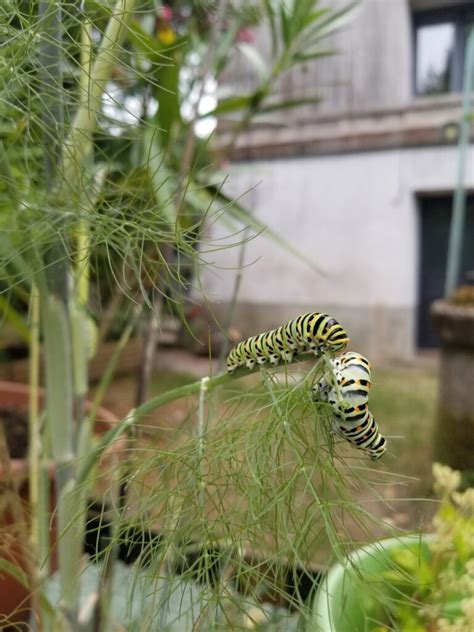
(340, 180)
(354, 78)
(372, 67)
(355, 216)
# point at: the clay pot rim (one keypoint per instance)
(17, 395)
(444, 307)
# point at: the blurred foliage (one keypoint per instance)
(463, 295)
(438, 585)
(152, 179)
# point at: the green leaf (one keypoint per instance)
(304, 14)
(225, 44)
(166, 92)
(287, 104)
(271, 17)
(301, 58)
(229, 105)
(333, 20)
(453, 608)
(314, 16)
(150, 46)
(9, 568)
(285, 25)
(164, 77)
(161, 177)
(256, 60)
(201, 200)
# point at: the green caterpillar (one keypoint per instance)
(309, 333)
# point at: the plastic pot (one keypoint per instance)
(351, 597)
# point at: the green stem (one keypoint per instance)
(7, 176)
(86, 428)
(59, 409)
(50, 84)
(83, 230)
(201, 428)
(34, 451)
(77, 146)
(260, 95)
(127, 422)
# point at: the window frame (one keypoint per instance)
(460, 15)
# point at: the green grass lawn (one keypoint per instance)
(404, 403)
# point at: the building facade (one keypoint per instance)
(361, 184)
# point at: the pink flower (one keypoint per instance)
(166, 13)
(245, 35)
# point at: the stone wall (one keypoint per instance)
(356, 217)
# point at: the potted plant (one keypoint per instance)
(15, 514)
(82, 185)
(453, 319)
(412, 582)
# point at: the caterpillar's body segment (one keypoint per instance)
(309, 333)
(352, 418)
(359, 427)
(352, 373)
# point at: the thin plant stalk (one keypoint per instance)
(201, 430)
(207, 63)
(59, 410)
(83, 231)
(85, 433)
(77, 147)
(150, 340)
(55, 314)
(38, 510)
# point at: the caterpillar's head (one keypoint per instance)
(335, 335)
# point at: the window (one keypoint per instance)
(440, 40)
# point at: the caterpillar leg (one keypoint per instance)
(320, 391)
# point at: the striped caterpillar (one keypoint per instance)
(352, 418)
(309, 333)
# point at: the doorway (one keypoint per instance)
(435, 219)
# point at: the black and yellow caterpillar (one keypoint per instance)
(309, 333)
(352, 418)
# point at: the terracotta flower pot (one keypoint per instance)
(14, 506)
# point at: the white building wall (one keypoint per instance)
(355, 216)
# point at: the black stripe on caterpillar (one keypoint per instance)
(309, 333)
(352, 418)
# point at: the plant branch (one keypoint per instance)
(135, 414)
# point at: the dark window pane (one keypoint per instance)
(434, 58)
